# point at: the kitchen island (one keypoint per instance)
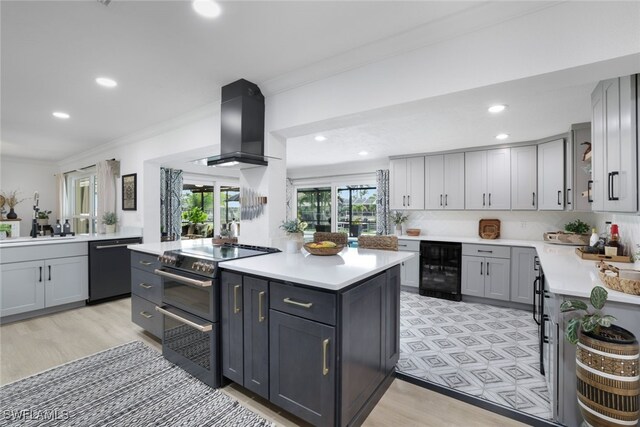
(317, 336)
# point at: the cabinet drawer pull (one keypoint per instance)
(589, 192)
(613, 197)
(403, 200)
(408, 200)
(483, 200)
(145, 262)
(144, 285)
(533, 199)
(49, 272)
(325, 346)
(446, 199)
(489, 199)
(441, 200)
(485, 251)
(300, 304)
(568, 196)
(559, 195)
(487, 268)
(403, 246)
(40, 280)
(481, 264)
(146, 315)
(236, 309)
(260, 298)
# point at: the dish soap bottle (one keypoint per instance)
(57, 229)
(66, 228)
(594, 237)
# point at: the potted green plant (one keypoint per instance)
(399, 218)
(579, 232)
(295, 231)
(607, 358)
(43, 217)
(110, 219)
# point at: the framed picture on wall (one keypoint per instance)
(130, 192)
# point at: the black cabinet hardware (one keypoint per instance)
(589, 187)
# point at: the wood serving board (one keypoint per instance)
(599, 257)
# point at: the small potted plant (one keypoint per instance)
(43, 218)
(579, 232)
(399, 218)
(295, 231)
(110, 219)
(606, 361)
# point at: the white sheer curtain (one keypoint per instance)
(106, 173)
(61, 189)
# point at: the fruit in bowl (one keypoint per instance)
(324, 244)
(323, 248)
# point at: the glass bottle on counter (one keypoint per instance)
(594, 238)
(57, 229)
(66, 228)
(615, 240)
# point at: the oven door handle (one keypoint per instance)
(202, 328)
(178, 278)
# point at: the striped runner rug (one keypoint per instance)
(128, 385)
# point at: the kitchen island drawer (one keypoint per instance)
(144, 261)
(144, 314)
(303, 302)
(489, 251)
(409, 245)
(146, 285)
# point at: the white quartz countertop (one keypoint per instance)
(48, 240)
(565, 272)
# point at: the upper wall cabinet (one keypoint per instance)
(551, 175)
(488, 179)
(444, 181)
(524, 178)
(406, 183)
(614, 133)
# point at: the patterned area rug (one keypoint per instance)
(482, 350)
(129, 385)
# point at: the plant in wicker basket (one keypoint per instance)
(607, 360)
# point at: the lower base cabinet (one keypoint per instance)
(328, 353)
(146, 293)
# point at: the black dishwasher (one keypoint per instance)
(440, 270)
(110, 269)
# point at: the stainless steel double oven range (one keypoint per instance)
(191, 306)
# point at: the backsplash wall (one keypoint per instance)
(519, 225)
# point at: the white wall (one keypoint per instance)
(28, 176)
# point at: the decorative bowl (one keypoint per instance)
(413, 232)
(323, 251)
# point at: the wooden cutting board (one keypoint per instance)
(489, 228)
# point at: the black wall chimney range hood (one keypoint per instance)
(241, 127)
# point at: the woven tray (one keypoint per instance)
(489, 228)
(609, 275)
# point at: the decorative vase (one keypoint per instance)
(398, 230)
(12, 214)
(294, 244)
(607, 377)
(110, 228)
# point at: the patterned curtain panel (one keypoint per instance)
(170, 197)
(383, 226)
(289, 212)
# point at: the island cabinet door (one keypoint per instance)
(392, 318)
(232, 327)
(302, 367)
(66, 280)
(21, 287)
(256, 335)
(363, 355)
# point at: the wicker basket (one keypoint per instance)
(323, 251)
(610, 276)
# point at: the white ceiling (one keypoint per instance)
(167, 60)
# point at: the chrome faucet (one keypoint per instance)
(34, 224)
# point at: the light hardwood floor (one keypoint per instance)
(34, 345)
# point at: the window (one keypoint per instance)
(229, 206)
(197, 198)
(357, 210)
(83, 201)
(314, 208)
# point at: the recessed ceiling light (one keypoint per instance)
(363, 153)
(320, 138)
(497, 108)
(106, 82)
(60, 115)
(502, 136)
(207, 8)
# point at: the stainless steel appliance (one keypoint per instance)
(110, 269)
(440, 270)
(191, 306)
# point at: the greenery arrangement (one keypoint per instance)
(589, 322)
(11, 198)
(293, 226)
(398, 217)
(195, 215)
(577, 227)
(109, 218)
(44, 214)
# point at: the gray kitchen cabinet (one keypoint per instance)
(487, 178)
(303, 367)
(523, 273)
(444, 181)
(245, 331)
(406, 184)
(410, 270)
(486, 276)
(146, 292)
(33, 285)
(615, 141)
(551, 163)
(524, 178)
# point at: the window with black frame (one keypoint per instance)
(314, 208)
(229, 206)
(197, 210)
(357, 210)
